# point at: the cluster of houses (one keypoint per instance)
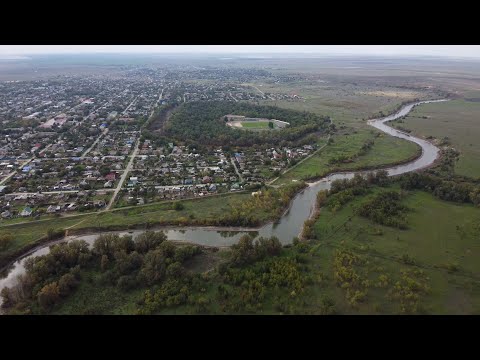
(33, 204)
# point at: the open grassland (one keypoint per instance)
(385, 150)
(345, 103)
(440, 244)
(459, 120)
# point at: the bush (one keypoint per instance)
(178, 206)
(5, 241)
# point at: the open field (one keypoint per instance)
(263, 125)
(459, 120)
(441, 235)
(385, 150)
(346, 103)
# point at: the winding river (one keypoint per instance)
(291, 222)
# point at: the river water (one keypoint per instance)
(290, 224)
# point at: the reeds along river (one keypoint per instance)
(291, 222)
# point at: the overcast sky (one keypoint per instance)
(433, 50)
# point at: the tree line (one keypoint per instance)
(203, 123)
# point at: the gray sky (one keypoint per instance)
(433, 50)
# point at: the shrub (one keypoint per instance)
(5, 241)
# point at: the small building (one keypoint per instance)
(111, 176)
(53, 209)
(27, 211)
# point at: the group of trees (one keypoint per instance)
(203, 122)
(348, 277)
(385, 208)
(449, 190)
(341, 192)
(121, 261)
(247, 251)
(48, 278)
(409, 290)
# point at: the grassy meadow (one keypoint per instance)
(385, 150)
(441, 242)
(459, 120)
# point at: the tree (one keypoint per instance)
(49, 295)
(154, 267)
(475, 196)
(270, 125)
(149, 240)
(66, 284)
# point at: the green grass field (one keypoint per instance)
(386, 150)
(457, 119)
(440, 234)
(263, 125)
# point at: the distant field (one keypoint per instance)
(347, 103)
(440, 234)
(386, 150)
(457, 119)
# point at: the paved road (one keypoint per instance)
(129, 105)
(260, 91)
(124, 175)
(130, 163)
(9, 176)
(236, 170)
(104, 132)
(230, 93)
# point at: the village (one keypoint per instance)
(73, 144)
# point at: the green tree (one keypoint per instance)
(49, 295)
(154, 267)
(149, 240)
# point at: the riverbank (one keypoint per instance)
(209, 214)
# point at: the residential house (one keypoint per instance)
(27, 211)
